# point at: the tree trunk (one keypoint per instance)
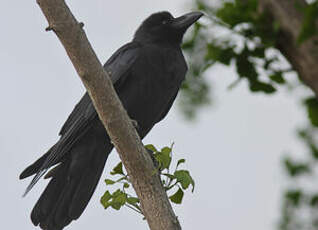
(303, 57)
(154, 201)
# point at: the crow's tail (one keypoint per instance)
(35, 167)
(72, 182)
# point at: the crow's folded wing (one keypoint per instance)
(84, 113)
(117, 67)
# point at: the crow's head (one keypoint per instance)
(163, 27)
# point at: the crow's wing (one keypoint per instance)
(80, 120)
(117, 67)
(121, 61)
(77, 112)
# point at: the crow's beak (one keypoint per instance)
(184, 21)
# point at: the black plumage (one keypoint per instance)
(147, 74)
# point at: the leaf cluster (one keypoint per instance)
(173, 179)
(299, 198)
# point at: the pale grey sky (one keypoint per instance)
(233, 150)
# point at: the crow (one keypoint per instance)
(147, 74)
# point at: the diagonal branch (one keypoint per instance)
(154, 201)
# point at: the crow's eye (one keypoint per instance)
(164, 22)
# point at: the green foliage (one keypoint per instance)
(115, 200)
(246, 68)
(175, 182)
(183, 177)
(163, 158)
(295, 168)
(277, 77)
(177, 197)
(293, 197)
(299, 197)
(312, 110)
(223, 55)
(239, 22)
(232, 12)
(118, 170)
(247, 40)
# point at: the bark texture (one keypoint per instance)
(304, 57)
(154, 201)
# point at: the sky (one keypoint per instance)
(233, 149)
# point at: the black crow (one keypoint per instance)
(147, 74)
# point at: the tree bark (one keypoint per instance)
(303, 57)
(154, 201)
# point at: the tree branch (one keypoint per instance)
(154, 201)
(304, 57)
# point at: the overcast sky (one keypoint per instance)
(233, 150)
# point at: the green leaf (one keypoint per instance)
(277, 77)
(257, 86)
(312, 110)
(115, 206)
(181, 161)
(294, 197)
(314, 150)
(220, 54)
(237, 12)
(109, 182)
(132, 200)
(151, 148)
(258, 52)
(119, 199)
(314, 201)
(164, 158)
(116, 193)
(166, 150)
(245, 68)
(177, 197)
(303, 134)
(296, 168)
(118, 169)
(307, 137)
(126, 185)
(184, 178)
(105, 198)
